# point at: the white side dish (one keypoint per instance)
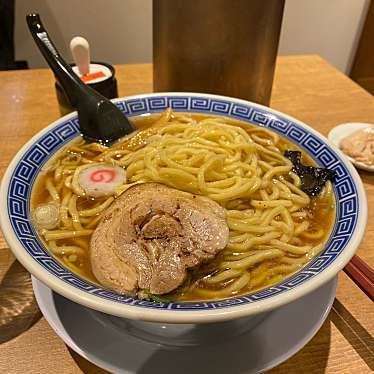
(338, 133)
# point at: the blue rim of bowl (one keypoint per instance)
(38, 153)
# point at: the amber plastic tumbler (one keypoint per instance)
(226, 47)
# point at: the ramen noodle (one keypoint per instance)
(274, 227)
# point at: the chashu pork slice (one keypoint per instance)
(152, 235)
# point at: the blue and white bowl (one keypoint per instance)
(349, 227)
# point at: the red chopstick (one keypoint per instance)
(362, 274)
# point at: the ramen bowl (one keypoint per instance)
(347, 232)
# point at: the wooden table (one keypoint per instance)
(305, 87)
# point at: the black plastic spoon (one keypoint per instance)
(99, 119)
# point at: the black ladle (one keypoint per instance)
(99, 119)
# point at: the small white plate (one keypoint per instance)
(283, 333)
(338, 133)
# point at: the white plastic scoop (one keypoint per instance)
(80, 49)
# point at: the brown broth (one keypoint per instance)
(320, 211)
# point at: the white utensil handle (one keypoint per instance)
(80, 49)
